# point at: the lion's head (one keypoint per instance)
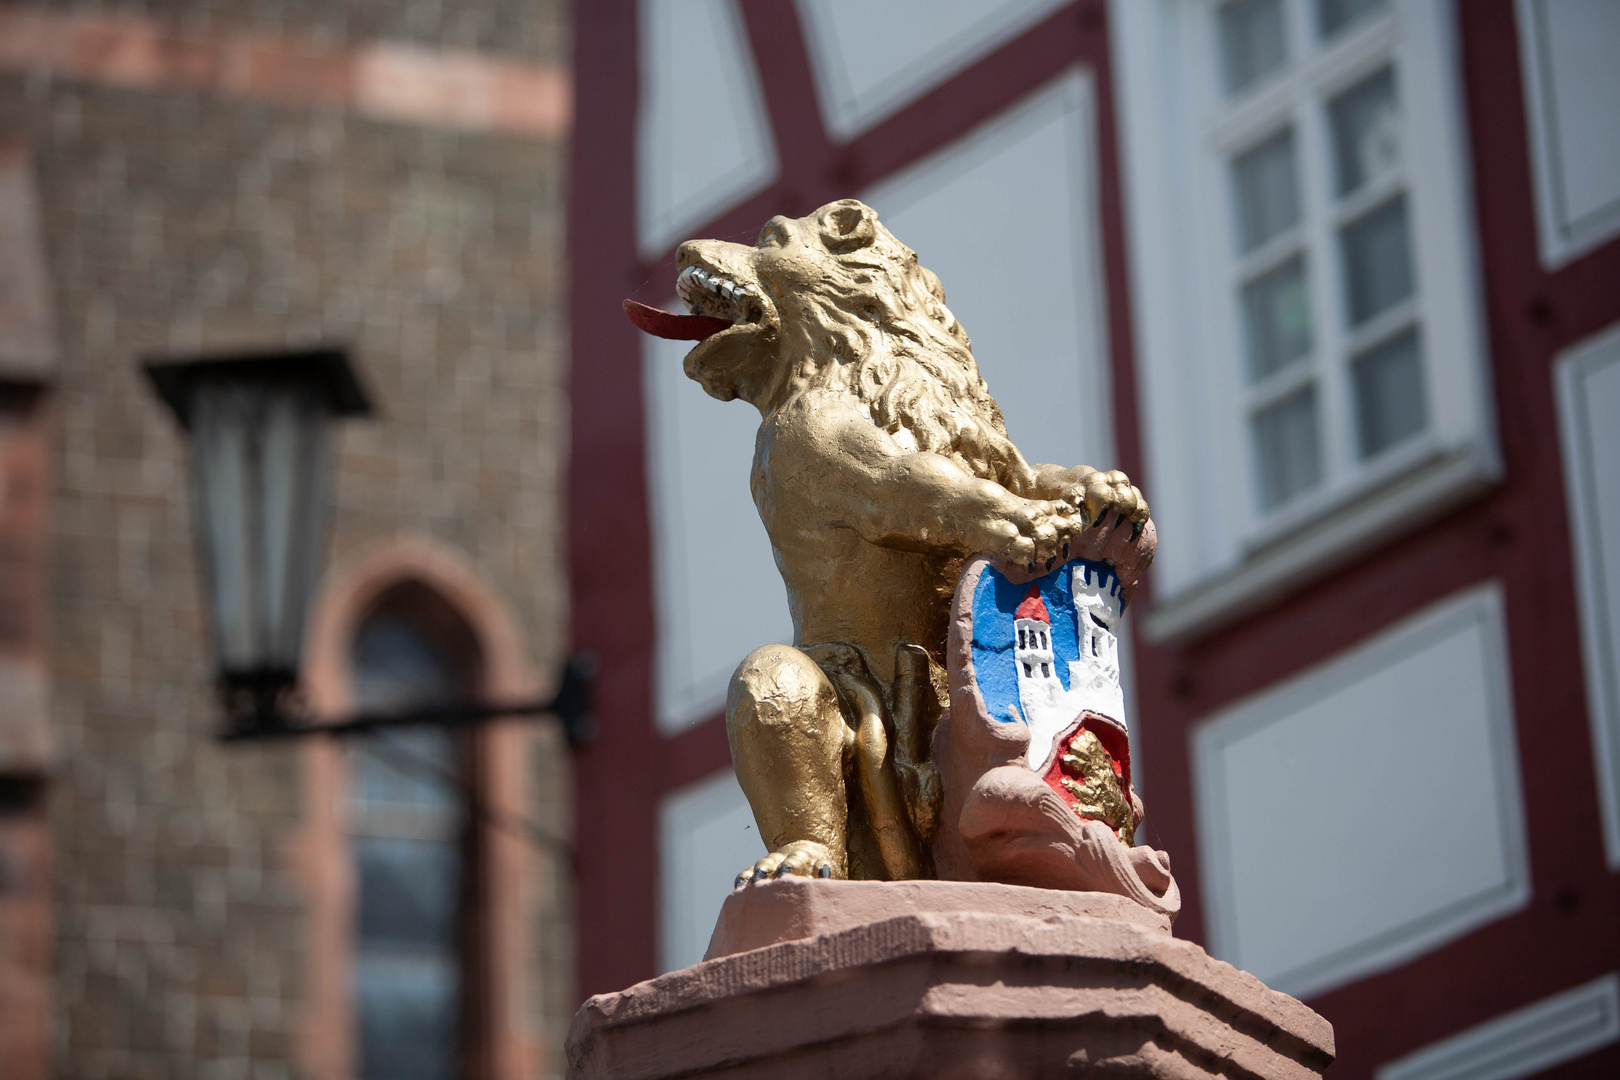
(833, 300)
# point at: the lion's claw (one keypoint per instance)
(804, 858)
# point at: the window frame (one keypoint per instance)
(1181, 135)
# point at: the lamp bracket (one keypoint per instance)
(264, 705)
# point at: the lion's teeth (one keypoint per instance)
(729, 292)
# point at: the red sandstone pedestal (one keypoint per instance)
(944, 979)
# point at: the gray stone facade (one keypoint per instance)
(177, 223)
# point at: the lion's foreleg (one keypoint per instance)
(788, 741)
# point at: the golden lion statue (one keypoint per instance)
(881, 465)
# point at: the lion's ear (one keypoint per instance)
(848, 225)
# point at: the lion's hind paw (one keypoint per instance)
(806, 858)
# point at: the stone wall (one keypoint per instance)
(176, 223)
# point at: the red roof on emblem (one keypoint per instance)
(1033, 606)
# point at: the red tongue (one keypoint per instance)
(667, 324)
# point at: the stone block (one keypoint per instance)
(946, 979)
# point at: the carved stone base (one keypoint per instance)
(1030, 983)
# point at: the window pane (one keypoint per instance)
(1335, 14)
(407, 893)
(396, 667)
(1253, 42)
(1285, 444)
(1267, 191)
(1366, 132)
(403, 770)
(407, 1009)
(407, 958)
(1377, 261)
(1278, 314)
(1389, 393)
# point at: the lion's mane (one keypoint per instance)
(877, 328)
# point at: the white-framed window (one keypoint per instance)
(1304, 282)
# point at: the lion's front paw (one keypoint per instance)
(1030, 532)
(1102, 496)
(803, 857)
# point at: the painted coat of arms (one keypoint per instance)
(1037, 755)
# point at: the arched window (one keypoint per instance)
(415, 844)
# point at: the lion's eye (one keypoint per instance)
(771, 234)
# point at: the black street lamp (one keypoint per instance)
(258, 433)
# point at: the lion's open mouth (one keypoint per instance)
(715, 301)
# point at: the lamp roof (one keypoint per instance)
(326, 365)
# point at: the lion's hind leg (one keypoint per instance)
(788, 743)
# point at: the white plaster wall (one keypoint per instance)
(1369, 809)
(1572, 84)
(718, 593)
(706, 836)
(703, 141)
(1589, 419)
(1007, 217)
(871, 60)
(1525, 1042)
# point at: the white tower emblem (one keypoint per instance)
(1093, 679)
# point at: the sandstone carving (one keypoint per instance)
(936, 580)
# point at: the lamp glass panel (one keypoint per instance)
(258, 472)
(224, 494)
(292, 469)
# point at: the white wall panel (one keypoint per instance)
(718, 594)
(1007, 217)
(1523, 1042)
(1368, 810)
(1572, 86)
(706, 835)
(703, 140)
(871, 60)
(1589, 418)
